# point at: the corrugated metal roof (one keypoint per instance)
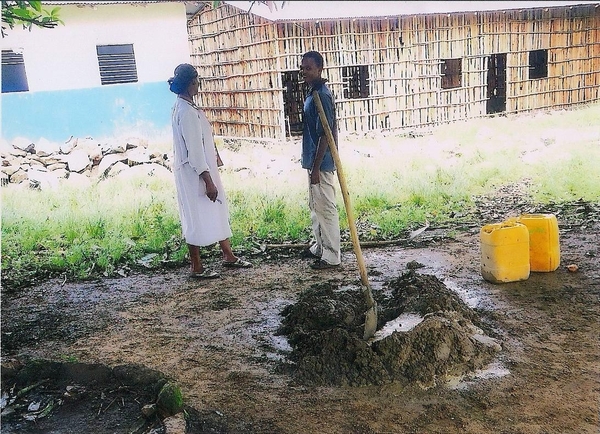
(191, 7)
(312, 10)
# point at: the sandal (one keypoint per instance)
(206, 274)
(323, 265)
(239, 263)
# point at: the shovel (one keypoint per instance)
(371, 313)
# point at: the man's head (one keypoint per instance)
(312, 67)
(184, 76)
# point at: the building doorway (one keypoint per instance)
(496, 84)
(294, 92)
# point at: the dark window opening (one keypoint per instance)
(117, 64)
(496, 84)
(14, 78)
(356, 81)
(538, 64)
(294, 92)
(451, 73)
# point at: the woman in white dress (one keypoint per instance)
(203, 207)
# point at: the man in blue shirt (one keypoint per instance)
(317, 159)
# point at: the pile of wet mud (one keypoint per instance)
(426, 334)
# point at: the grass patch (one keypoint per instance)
(396, 183)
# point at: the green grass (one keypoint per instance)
(396, 183)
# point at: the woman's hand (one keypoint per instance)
(211, 188)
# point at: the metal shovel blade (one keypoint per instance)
(370, 322)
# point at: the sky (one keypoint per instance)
(345, 9)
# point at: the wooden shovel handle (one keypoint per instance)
(349, 213)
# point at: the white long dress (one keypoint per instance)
(203, 222)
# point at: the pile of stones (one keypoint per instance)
(45, 164)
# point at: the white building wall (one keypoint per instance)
(65, 57)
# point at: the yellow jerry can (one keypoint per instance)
(544, 244)
(504, 252)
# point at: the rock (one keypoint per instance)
(42, 179)
(69, 145)
(157, 170)
(23, 144)
(170, 399)
(149, 410)
(96, 157)
(57, 166)
(135, 142)
(18, 152)
(116, 169)
(146, 170)
(138, 156)
(77, 180)
(78, 160)
(9, 170)
(108, 161)
(112, 147)
(18, 177)
(61, 173)
(49, 160)
(175, 424)
(89, 145)
(44, 147)
(160, 161)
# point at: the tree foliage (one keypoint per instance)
(28, 13)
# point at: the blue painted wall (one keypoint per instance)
(97, 112)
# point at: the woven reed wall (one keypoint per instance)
(241, 58)
(236, 57)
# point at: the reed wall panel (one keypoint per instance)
(241, 58)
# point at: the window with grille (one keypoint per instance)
(356, 81)
(538, 64)
(117, 64)
(451, 73)
(14, 78)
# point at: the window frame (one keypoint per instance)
(14, 73)
(538, 64)
(116, 64)
(356, 83)
(451, 72)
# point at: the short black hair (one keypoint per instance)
(316, 56)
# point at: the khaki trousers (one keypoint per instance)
(325, 218)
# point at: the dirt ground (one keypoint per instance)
(218, 340)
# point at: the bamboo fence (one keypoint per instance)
(242, 59)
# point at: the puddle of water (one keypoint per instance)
(404, 323)
(281, 346)
(471, 298)
(493, 370)
(261, 334)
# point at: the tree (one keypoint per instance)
(28, 13)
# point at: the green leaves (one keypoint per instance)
(28, 13)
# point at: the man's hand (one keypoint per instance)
(315, 178)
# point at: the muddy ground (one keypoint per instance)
(107, 346)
